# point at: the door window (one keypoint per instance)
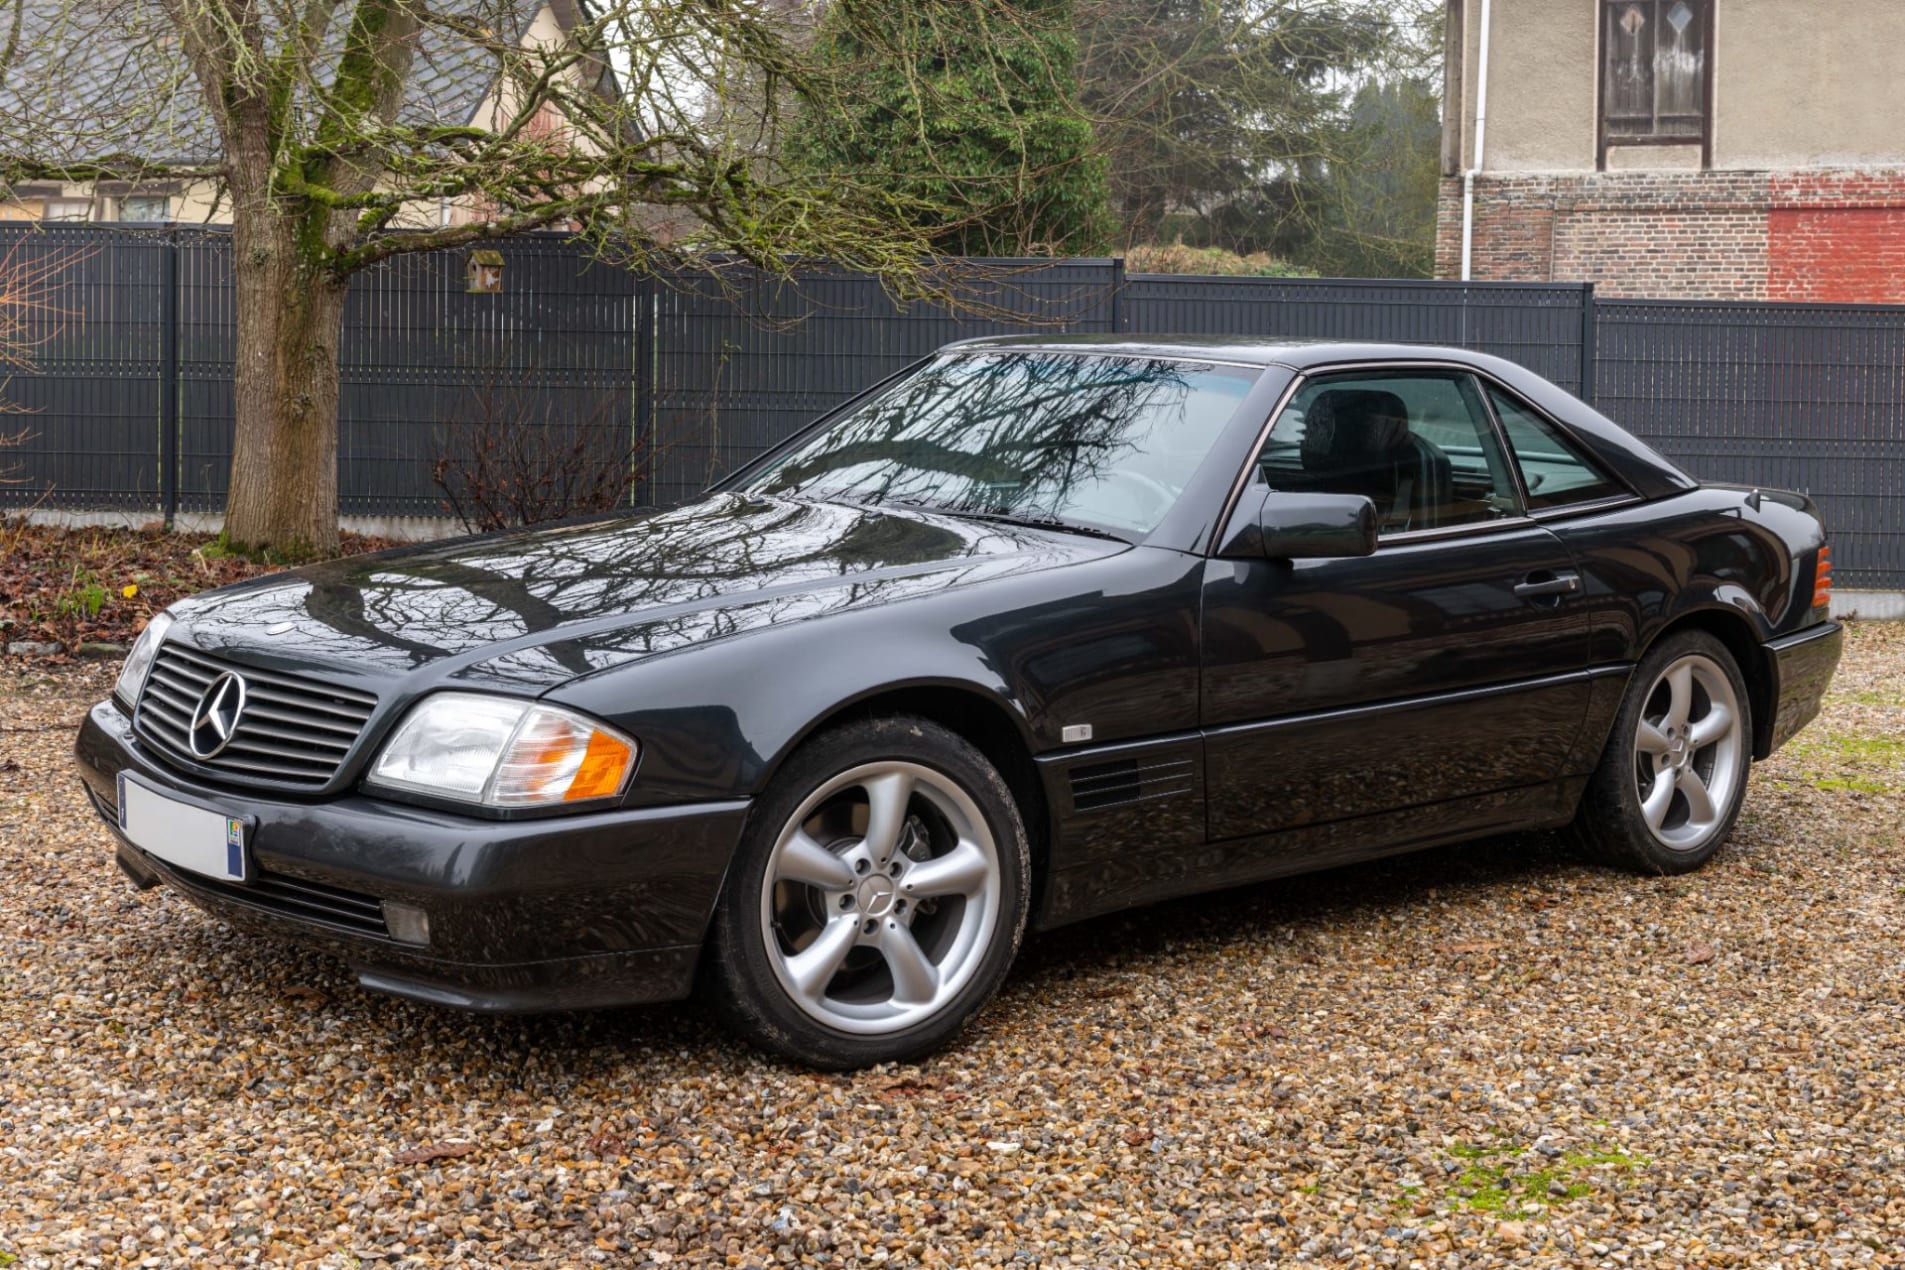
(1418, 444)
(1553, 471)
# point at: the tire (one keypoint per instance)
(1673, 776)
(876, 899)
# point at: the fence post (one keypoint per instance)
(1589, 342)
(644, 385)
(169, 382)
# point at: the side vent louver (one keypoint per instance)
(1129, 781)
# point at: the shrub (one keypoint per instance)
(1178, 258)
(513, 465)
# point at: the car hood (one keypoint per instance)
(534, 608)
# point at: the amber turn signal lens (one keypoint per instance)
(603, 765)
(1822, 580)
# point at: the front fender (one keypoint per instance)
(1110, 642)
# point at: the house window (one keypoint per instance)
(1656, 72)
(144, 208)
(69, 209)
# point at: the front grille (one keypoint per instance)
(293, 733)
(290, 897)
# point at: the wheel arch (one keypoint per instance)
(991, 725)
(1737, 634)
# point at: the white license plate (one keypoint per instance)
(191, 837)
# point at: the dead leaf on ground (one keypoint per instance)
(435, 1151)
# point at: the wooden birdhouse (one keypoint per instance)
(485, 271)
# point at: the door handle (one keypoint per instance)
(1543, 583)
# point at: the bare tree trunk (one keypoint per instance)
(285, 380)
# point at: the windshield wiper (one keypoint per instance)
(1030, 520)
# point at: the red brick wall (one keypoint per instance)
(1828, 235)
(1692, 234)
(1838, 237)
(1514, 231)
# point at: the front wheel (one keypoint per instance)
(876, 899)
(1672, 779)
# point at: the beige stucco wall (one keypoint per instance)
(1540, 85)
(1819, 84)
(1797, 85)
(190, 203)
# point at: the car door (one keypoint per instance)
(1440, 673)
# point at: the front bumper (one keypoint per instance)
(606, 908)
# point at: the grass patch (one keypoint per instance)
(223, 548)
(1857, 762)
(1853, 784)
(1508, 1180)
(1866, 697)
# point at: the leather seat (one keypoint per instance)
(1357, 441)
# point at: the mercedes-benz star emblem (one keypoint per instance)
(216, 718)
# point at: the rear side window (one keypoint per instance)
(1553, 468)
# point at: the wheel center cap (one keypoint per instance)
(876, 895)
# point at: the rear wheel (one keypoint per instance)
(1672, 779)
(876, 900)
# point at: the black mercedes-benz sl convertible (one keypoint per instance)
(1035, 630)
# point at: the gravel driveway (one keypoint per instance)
(1478, 1056)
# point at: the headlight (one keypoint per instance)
(503, 753)
(132, 676)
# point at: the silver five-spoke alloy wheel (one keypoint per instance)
(1688, 753)
(883, 895)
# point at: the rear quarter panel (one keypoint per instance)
(1709, 555)
(1646, 566)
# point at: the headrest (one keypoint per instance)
(1345, 423)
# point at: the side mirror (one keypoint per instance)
(1295, 526)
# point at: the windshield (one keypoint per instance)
(1102, 442)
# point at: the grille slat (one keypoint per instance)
(187, 678)
(327, 742)
(344, 730)
(305, 703)
(297, 758)
(276, 771)
(263, 680)
(331, 896)
(173, 697)
(172, 715)
(293, 733)
(291, 897)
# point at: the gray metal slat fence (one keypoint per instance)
(1534, 324)
(741, 360)
(425, 367)
(90, 321)
(1799, 396)
(691, 374)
